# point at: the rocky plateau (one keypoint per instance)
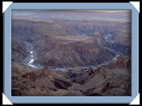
(70, 53)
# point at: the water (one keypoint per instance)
(117, 54)
(86, 67)
(31, 57)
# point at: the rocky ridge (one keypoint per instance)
(103, 81)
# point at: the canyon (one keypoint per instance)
(111, 80)
(71, 53)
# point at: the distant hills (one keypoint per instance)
(71, 43)
(93, 48)
(108, 15)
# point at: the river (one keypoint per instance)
(117, 54)
(31, 56)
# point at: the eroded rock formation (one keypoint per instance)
(103, 81)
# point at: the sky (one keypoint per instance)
(107, 15)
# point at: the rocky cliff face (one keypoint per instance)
(18, 50)
(57, 48)
(66, 42)
(102, 81)
(124, 61)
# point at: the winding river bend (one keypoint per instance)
(117, 54)
(31, 56)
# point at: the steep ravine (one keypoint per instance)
(103, 81)
(85, 68)
(31, 56)
(62, 51)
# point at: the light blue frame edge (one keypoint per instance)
(71, 99)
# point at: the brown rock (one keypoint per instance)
(45, 70)
(61, 84)
(46, 67)
(29, 76)
(90, 71)
(104, 88)
(101, 71)
(124, 61)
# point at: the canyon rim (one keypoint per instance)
(71, 53)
